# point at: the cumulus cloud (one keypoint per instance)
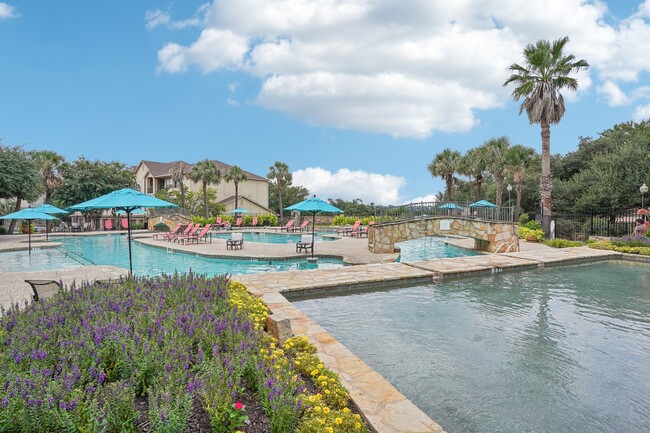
(407, 69)
(156, 18)
(642, 112)
(613, 94)
(350, 184)
(7, 11)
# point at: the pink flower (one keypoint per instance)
(239, 405)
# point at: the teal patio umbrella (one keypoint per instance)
(450, 206)
(29, 215)
(50, 210)
(240, 210)
(482, 203)
(313, 205)
(127, 200)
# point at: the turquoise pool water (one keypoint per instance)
(428, 248)
(147, 261)
(272, 238)
(562, 350)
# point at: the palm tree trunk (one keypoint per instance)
(205, 198)
(479, 182)
(280, 201)
(236, 195)
(182, 196)
(545, 183)
(448, 180)
(519, 186)
(499, 181)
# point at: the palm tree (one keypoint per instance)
(445, 164)
(49, 163)
(279, 173)
(474, 164)
(206, 171)
(519, 159)
(496, 150)
(545, 72)
(236, 175)
(179, 174)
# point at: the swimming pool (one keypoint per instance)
(557, 350)
(273, 238)
(429, 247)
(147, 261)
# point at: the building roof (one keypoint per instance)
(164, 169)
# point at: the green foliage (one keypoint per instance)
(84, 180)
(523, 219)
(291, 194)
(19, 176)
(343, 220)
(563, 243)
(354, 207)
(533, 225)
(644, 251)
(525, 233)
(3, 230)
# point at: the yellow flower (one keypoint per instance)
(346, 410)
(320, 366)
(318, 409)
(338, 421)
(272, 345)
(329, 430)
(314, 373)
(357, 425)
(296, 362)
(326, 410)
(312, 398)
(324, 383)
(357, 416)
(327, 391)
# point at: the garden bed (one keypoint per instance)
(165, 354)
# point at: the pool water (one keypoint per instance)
(272, 238)
(430, 247)
(563, 350)
(147, 261)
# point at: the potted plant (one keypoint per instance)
(25, 227)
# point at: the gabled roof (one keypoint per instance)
(241, 197)
(164, 169)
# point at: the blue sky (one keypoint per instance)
(357, 97)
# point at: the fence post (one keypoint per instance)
(591, 225)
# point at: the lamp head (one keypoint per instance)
(509, 187)
(643, 189)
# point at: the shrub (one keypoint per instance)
(525, 232)
(523, 219)
(343, 220)
(533, 225)
(3, 230)
(563, 243)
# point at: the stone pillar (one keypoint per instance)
(279, 326)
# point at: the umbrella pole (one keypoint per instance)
(313, 228)
(29, 236)
(128, 229)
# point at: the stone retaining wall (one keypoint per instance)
(488, 235)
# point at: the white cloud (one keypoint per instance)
(7, 11)
(613, 94)
(350, 184)
(423, 199)
(407, 68)
(642, 112)
(156, 18)
(213, 50)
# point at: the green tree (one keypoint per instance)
(291, 194)
(545, 72)
(280, 177)
(179, 173)
(496, 150)
(19, 177)
(236, 175)
(49, 165)
(84, 180)
(445, 165)
(355, 207)
(519, 159)
(206, 172)
(474, 165)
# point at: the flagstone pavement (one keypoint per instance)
(382, 405)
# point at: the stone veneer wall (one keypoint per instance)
(169, 220)
(487, 235)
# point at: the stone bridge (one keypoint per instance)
(488, 235)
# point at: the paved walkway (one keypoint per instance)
(383, 406)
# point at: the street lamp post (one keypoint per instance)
(643, 190)
(509, 188)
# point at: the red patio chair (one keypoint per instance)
(108, 225)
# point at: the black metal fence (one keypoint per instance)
(451, 209)
(603, 222)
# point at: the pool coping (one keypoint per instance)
(386, 409)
